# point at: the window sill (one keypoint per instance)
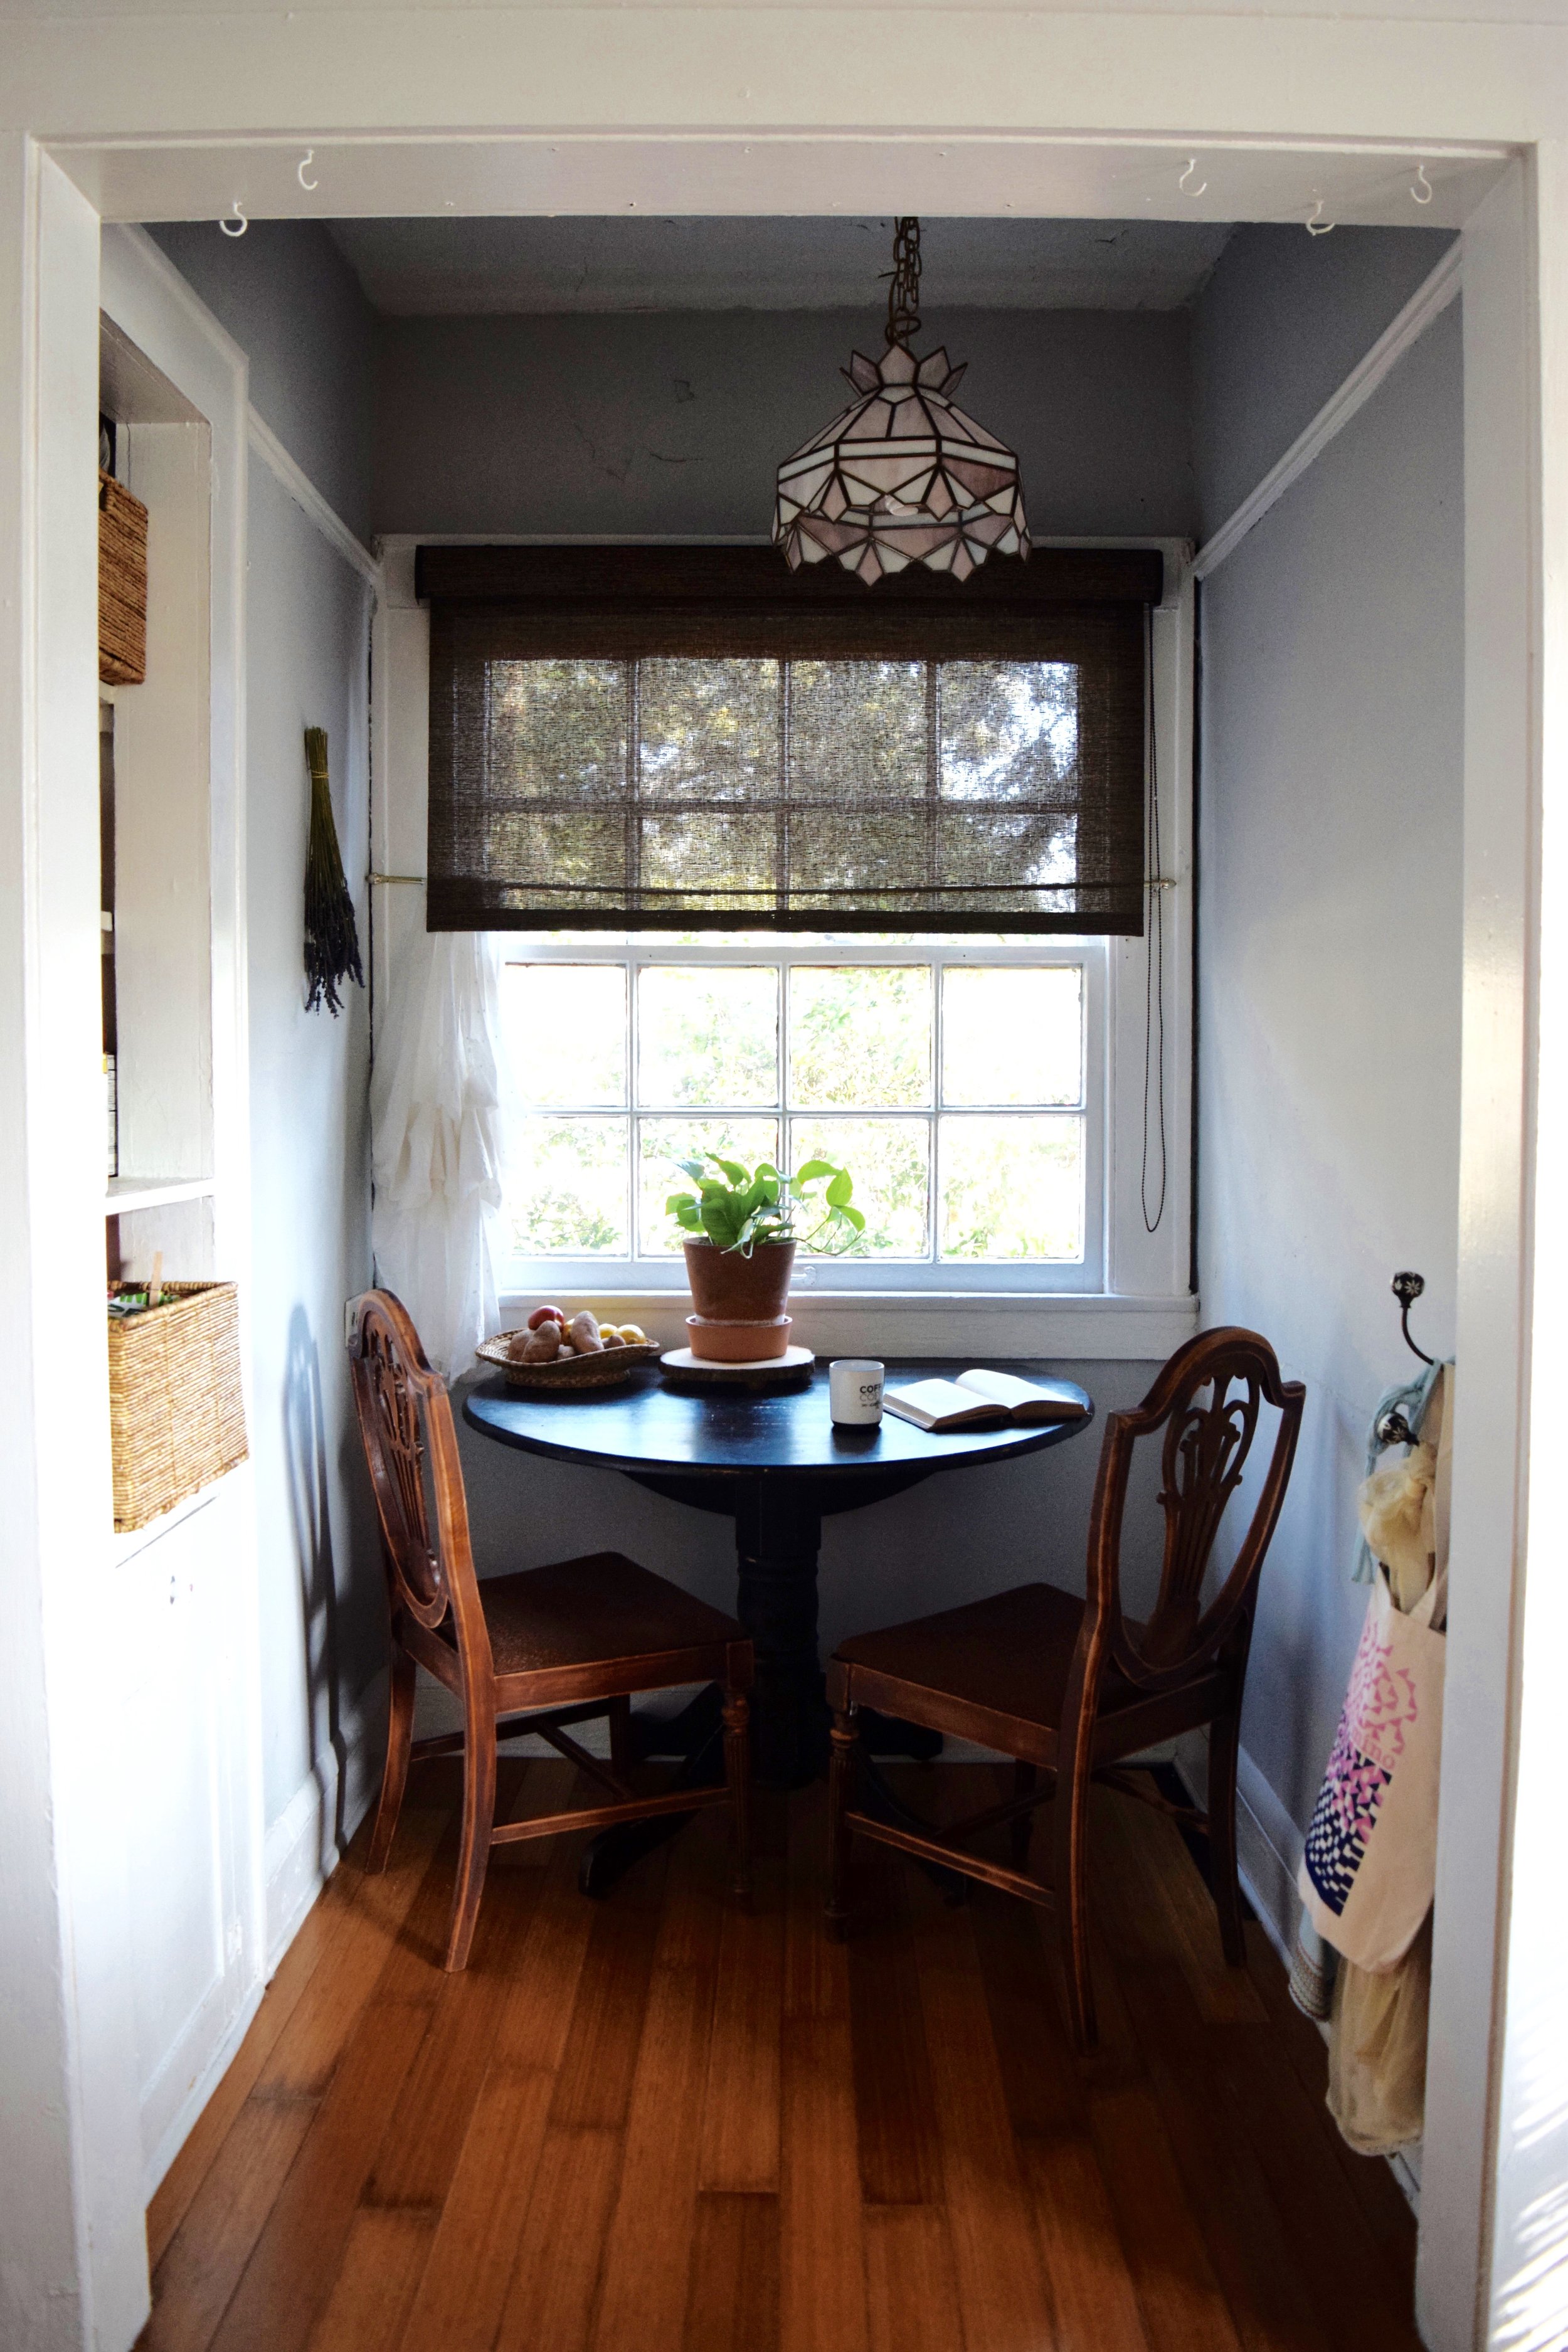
(1075, 1326)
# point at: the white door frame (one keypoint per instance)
(1516, 301)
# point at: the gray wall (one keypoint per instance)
(675, 423)
(294, 306)
(323, 1613)
(1281, 322)
(1329, 1001)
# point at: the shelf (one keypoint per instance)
(155, 1191)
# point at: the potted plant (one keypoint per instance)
(742, 1225)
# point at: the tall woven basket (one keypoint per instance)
(176, 1416)
(121, 584)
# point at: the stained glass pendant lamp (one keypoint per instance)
(903, 476)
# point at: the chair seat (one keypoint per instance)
(997, 1666)
(603, 1607)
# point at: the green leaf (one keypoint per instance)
(840, 1190)
(813, 1168)
(692, 1167)
(732, 1169)
(855, 1219)
(718, 1223)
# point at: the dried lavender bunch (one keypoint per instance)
(331, 941)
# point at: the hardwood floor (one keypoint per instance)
(659, 2125)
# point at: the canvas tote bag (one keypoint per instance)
(1371, 1858)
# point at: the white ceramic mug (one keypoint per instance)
(855, 1391)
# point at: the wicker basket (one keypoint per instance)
(609, 1369)
(121, 584)
(176, 1416)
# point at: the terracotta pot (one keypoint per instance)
(738, 1343)
(727, 1288)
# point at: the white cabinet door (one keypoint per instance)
(180, 1622)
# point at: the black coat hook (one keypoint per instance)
(1407, 1288)
(1394, 1429)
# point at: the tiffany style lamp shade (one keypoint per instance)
(903, 475)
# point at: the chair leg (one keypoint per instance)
(738, 1774)
(840, 1789)
(479, 1819)
(395, 1773)
(1024, 1778)
(1224, 1742)
(1071, 1825)
(620, 1734)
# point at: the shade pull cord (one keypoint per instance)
(1154, 958)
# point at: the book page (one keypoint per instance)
(1003, 1387)
(938, 1398)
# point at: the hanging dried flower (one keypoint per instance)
(332, 939)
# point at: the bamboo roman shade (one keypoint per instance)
(693, 739)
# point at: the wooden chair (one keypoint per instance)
(1069, 1688)
(527, 1652)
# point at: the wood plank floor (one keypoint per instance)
(659, 2125)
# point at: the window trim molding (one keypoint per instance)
(1147, 1279)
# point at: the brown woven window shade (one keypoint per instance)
(696, 739)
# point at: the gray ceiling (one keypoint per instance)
(465, 269)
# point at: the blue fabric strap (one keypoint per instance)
(1410, 1398)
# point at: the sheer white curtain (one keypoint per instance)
(438, 1142)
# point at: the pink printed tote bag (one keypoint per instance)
(1371, 1858)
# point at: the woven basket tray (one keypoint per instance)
(606, 1371)
(176, 1414)
(121, 584)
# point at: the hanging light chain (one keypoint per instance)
(904, 294)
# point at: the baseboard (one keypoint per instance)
(305, 1843)
(1269, 1855)
(1268, 1842)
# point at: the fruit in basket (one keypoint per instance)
(609, 1337)
(634, 1335)
(542, 1315)
(583, 1333)
(541, 1347)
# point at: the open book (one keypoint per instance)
(976, 1398)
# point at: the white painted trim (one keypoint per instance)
(1066, 1324)
(1430, 300)
(1497, 1293)
(302, 1844)
(302, 1851)
(292, 477)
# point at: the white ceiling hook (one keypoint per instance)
(308, 157)
(1186, 175)
(238, 226)
(1422, 189)
(1317, 226)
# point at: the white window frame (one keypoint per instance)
(785, 951)
(1145, 1306)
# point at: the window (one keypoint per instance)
(787, 868)
(959, 1082)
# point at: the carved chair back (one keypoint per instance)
(411, 1447)
(1204, 1408)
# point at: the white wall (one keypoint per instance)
(321, 1585)
(1330, 920)
(675, 423)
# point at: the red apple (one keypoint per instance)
(545, 1315)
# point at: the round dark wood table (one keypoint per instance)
(771, 1461)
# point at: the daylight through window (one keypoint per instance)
(954, 1082)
